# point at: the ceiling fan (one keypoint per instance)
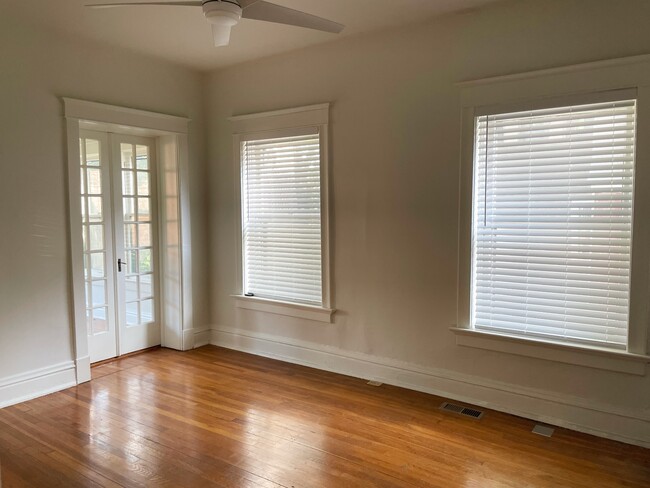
(224, 14)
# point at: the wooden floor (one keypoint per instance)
(214, 417)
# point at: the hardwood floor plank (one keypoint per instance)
(218, 418)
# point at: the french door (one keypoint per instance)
(118, 202)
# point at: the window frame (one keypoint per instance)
(562, 102)
(573, 85)
(284, 123)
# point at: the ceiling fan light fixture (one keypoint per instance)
(221, 34)
(223, 16)
(222, 13)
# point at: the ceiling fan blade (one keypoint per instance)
(221, 34)
(247, 3)
(135, 4)
(269, 12)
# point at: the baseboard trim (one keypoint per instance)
(83, 369)
(573, 413)
(202, 337)
(36, 383)
(188, 339)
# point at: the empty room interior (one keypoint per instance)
(325, 243)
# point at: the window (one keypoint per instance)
(553, 220)
(552, 223)
(282, 157)
(281, 218)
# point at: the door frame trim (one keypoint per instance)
(171, 134)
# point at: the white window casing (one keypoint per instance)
(554, 244)
(281, 161)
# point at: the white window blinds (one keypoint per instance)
(552, 223)
(282, 218)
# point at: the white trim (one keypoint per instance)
(123, 116)
(592, 357)
(560, 101)
(569, 80)
(188, 339)
(309, 312)
(639, 330)
(202, 338)
(326, 263)
(272, 124)
(630, 426)
(309, 116)
(286, 111)
(277, 133)
(606, 63)
(82, 368)
(175, 240)
(38, 382)
(171, 131)
(78, 283)
(185, 236)
(545, 87)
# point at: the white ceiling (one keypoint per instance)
(182, 35)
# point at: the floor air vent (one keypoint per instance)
(545, 430)
(467, 412)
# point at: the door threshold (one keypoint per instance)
(124, 356)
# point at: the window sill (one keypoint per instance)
(309, 312)
(592, 357)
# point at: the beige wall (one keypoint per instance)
(36, 68)
(395, 142)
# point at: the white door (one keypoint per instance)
(120, 243)
(136, 250)
(98, 253)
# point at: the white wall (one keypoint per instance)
(394, 163)
(36, 69)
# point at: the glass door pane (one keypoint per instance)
(136, 242)
(136, 211)
(97, 245)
